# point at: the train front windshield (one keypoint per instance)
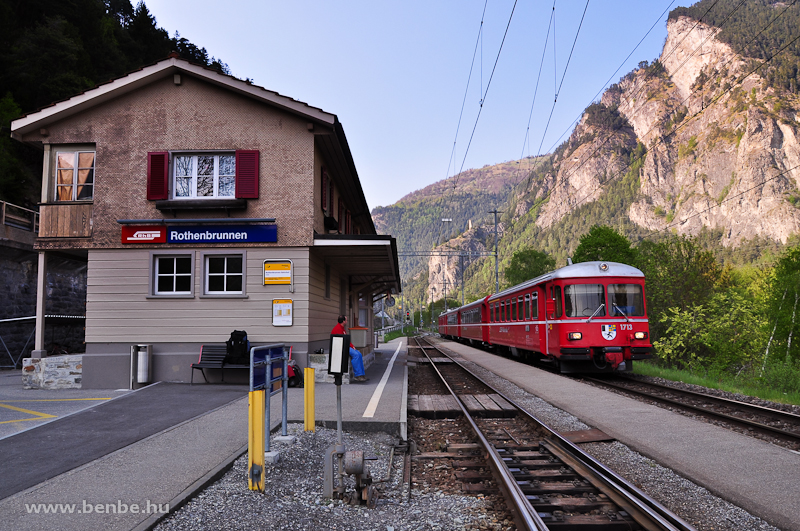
(583, 300)
(626, 299)
(587, 300)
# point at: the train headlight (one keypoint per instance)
(574, 336)
(640, 335)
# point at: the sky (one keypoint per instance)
(407, 78)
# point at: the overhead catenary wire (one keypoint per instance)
(478, 41)
(483, 98)
(685, 122)
(603, 88)
(718, 97)
(632, 96)
(571, 170)
(482, 101)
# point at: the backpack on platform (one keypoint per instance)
(238, 349)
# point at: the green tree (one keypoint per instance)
(784, 310)
(725, 335)
(678, 274)
(604, 243)
(527, 264)
(14, 177)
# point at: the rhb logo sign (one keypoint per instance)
(144, 234)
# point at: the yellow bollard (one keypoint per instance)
(255, 441)
(309, 399)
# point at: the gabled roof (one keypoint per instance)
(334, 145)
(148, 74)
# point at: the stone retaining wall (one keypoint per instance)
(57, 372)
(66, 295)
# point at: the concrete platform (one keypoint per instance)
(759, 477)
(123, 463)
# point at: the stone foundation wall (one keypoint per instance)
(66, 295)
(58, 372)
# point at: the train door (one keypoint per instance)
(552, 314)
(485, 312)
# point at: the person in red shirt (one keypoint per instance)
(355, 356)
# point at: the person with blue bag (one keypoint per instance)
(355, 356)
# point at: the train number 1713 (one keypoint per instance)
(626, 326)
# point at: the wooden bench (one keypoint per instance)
(213, 357)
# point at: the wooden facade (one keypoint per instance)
(65, 220)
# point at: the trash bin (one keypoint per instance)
(141, 364)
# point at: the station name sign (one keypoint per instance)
(201, 234)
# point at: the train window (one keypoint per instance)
(520, 308)
(527, 307)
(502, 311)
(626, 299)
(508, 310)
(584, 300)
(534, 305)
(513, 309)
(555, 293)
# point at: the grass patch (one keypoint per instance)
(762, 388)
(406, 331)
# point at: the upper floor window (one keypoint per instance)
(199, 176)
(210, 175)
(74, 175)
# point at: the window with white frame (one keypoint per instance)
(224, 274)
(198, 176)
(172, 274)
(74, 177)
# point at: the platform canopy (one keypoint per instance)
(369, 260)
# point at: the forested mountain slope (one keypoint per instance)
(54, 49)
(416, 220)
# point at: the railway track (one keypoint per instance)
(547, 482)
(780, 425)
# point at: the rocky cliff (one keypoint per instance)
(703, 139)
(722, 147)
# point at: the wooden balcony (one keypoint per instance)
(65, 220)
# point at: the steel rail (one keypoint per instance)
(653, 511)
(764, 428)
(524, 515)
(775, 414)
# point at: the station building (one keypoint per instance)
(203, 204)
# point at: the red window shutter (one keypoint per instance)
(157, 176)
(247, 173)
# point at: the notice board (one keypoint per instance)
(282, 312)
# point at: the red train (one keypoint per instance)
(586, 317)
